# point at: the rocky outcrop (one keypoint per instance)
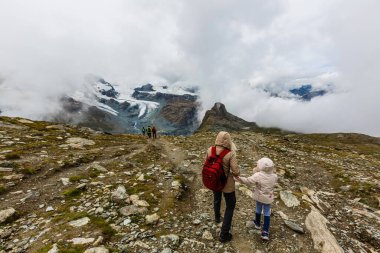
(181, 113)
(218, 119)
(323, 240)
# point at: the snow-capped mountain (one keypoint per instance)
(108, 107)
(304, 92)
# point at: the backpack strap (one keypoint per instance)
(213, 151)
(221, 156)
(224, 153)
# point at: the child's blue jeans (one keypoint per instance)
(260, 206)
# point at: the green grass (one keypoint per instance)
(100, 223)
(75, 162)
(70, 248)
(10, 165)
(28, 171)
(138, 188)
(72, 192)
(45, 249)
(2, 189)
(94, 173)
(77, 178)
(12, 156)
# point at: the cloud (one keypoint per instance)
(228, 48)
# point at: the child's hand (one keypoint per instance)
(238, 179)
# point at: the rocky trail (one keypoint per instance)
(71, 189)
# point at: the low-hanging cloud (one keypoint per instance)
(228, 48)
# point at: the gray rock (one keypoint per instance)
(345, 188)
(7, 214)
(77, 142)
(197, 222)
(132, 210)
(176, 185)
(135, 199)
(171, 239)
(80, 222)
(98, 167)
(65, 181)
(81, 186)
(2, 169)
(25, 121)
(14, 177)
(289, 199)
(101, 249)
(167, 250)
(127, 222)
(81, 240)
(294, 226)
(207, 235)
(324, 241)
(152, 219)
(120, 193)
(54, 249)
(4, 234)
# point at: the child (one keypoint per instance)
(264, 180)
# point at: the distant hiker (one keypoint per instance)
(219, 169)
(149, 132)
(143, 130)
(154, 132)
(264, 181)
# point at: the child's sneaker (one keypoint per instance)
(265, 235)
(257, 225)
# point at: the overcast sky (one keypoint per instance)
(228, 48)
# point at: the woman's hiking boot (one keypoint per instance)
(225, 237)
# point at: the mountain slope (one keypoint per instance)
(61, 185)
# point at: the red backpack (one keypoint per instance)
(213, 175)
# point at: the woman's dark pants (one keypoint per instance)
(230, 199)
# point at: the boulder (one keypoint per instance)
(294, 226)
(79, 222)
(77, 142)
(323, 240)
(98, 167)
(7, 214)
(119, 194)
(289, 199)
(135, 199)
(65, 181)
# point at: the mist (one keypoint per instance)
(230, 49)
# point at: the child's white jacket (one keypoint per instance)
(264, 182)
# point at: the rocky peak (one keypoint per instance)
(219, 109)
(218, 118)
(145, 88)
